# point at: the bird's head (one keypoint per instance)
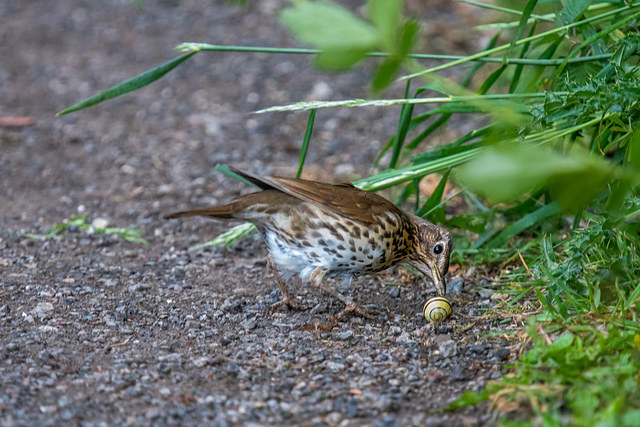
(431, 250)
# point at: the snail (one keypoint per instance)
(437, 310)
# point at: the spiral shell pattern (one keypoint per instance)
(437, 310)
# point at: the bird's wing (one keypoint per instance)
(343, 199)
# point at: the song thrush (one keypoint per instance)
(315, 230)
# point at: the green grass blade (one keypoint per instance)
(518, 71)
(224, 169)
(531, 78)
(384, 151)
(487, 101)
(428, 131)
(489, 232)
(493, 77)
(403, 125)
(452, 108)
(464, 108)
(546, 18)
(228, 237)
(526, 13)
(305, 142)
(525, 222)
(597, 36)
(408, 190)
(206, 47)
(476, 67)
(389, 178)
(134, 83)
(452, 148)
(435, 197)
(542, 35)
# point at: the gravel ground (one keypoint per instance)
(95, 330)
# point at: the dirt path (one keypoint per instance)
(95, 330)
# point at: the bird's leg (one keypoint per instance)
(286, 299)
(351, 307)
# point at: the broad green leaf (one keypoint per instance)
(385, 73)
(507, 172)
(385, 15)
(130, 85)
(339, 59)
(561, 344)
(408, 36)
(342, 37)
(631, 418)
(571, 10)
(470, 398)
(633, 150)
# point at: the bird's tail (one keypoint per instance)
(220, 212)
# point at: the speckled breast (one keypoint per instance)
(315, 237)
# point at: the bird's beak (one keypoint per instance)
(430, 269)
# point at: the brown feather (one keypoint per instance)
(342, 199)
(222, 212)
(236, 208)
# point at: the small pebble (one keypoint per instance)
(343, 335)
(454, 286)
(448, 348)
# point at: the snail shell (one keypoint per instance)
(437, 309)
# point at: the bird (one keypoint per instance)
(317, 230)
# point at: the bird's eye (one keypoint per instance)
(437, 249)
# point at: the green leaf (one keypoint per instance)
(385, 15)
(342, 37)
(386, 73)
(518, 71)
(225, 170)
(526, 13)
(633, 150)
(408, 37)
(435, 197)
(228, 237)
(561, 344)
(408, 190)
(572, 9)
(525, 222)
(491, 79)
(130, 85)
(436, 85)
(340, 59)
(305, 142)
(468, 222)
(507, 172)
(631, 418)
(530, 79)
(470, 398)
(403, 125)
